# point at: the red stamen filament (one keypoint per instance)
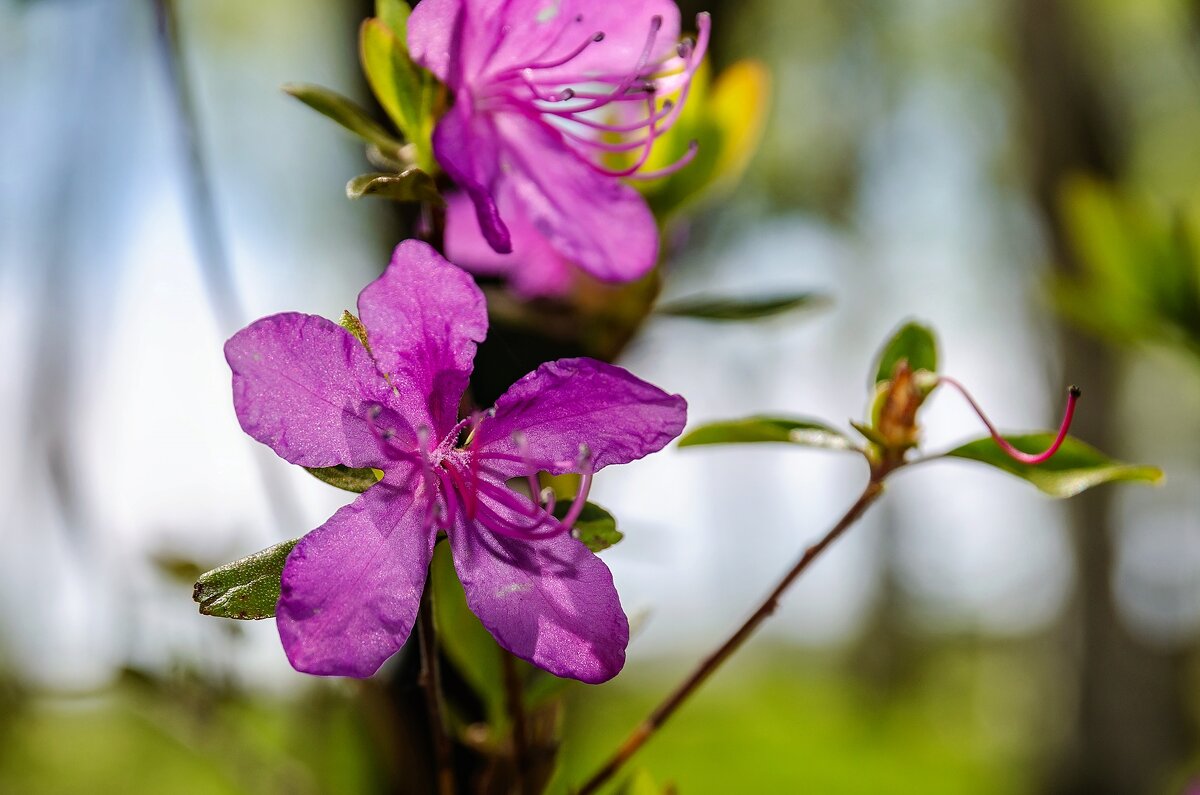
(1031, 459)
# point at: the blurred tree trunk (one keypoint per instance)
(1129, 728)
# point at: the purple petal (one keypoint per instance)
(423, 318)
(352, 587)
(432, 33)
(533, 268)
(468, 148)
(550, 601)
(571, 403)
(591, 219)
(302, 385)
(626, 27)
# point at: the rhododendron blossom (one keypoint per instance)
(545, 93)
(319, 397)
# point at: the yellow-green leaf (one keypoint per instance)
(246, 588)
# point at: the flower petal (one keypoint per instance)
(626, 27)
(432, 32)
(533, 268)
(467, 146)
(549, 601)
(302, 385)
(591, 219)
(352, 587)
(567, 404)
(423, 318)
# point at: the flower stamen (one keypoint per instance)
(1031, 459)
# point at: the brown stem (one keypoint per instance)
(516, 712)
(646, 729)
(430, 682)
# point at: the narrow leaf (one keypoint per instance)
(413, 185)
(737, 309)
(245, 589)
(406, 91)
(1076, 467)
(913, 342)
(355, 480)
(804, 432)
(345, 112)
(595, 527)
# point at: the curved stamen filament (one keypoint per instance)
(448, 491)
(585, 486)
(384, 438)
(461, 485)
(666, 171)
(498, 524)
(1031, 459)
(595, 38)
(628, 80)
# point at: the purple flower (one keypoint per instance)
(318, 397)
(545, 92)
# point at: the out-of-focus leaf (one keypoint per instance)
(245, 589)
(595, 527)
(1140, 279)
(804, 432)
(468, 645)
(1074, 468)
(345, 478)
(394, 14)
(913, 342)
(412, 185)
(407, 92)
(640, 783)
(725, 118)
(346, 113)
(738, 309)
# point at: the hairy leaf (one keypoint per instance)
(346, 113)
(595, 527)
(411, 185)
(246, 588)
(346, 478)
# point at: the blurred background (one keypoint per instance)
(1021, 174)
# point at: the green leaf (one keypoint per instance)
(394, 14)
(735, 309)
(467, 644)
(245, 589)
(412, 185)
(407, 92)
(595, 527)
(1073, 469)
(345, 478)
(346, 113)
(913, 342)
(640, 783)
(805, 432)
(351, 323)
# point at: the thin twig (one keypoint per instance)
(646, 729)
(431, 684)
(516, 711)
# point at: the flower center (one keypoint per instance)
(606, 116)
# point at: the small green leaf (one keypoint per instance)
(351, 323)
(736, 309)
(913, 342)
(595, 527)
(346, 113)
(394, 14)
(1076, 466)
(245, 589)
(407, 92)
(412, 185)
(355, 480)
(805, 432)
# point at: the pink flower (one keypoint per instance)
(318, 397)
(543, 90)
